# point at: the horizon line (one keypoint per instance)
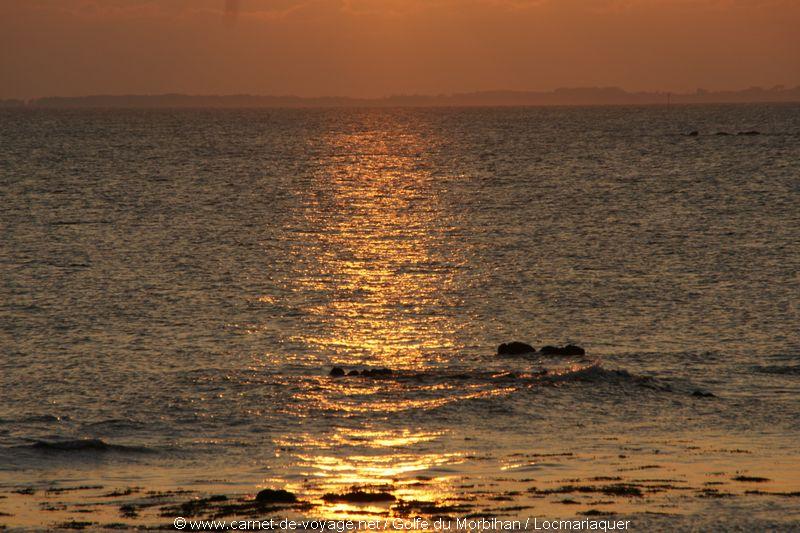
(579, 95)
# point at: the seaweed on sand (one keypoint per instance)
(406, 507)
(359, 496)
(617, 489)
(220, 506)
(751, 479)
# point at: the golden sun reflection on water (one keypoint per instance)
(372, 269)
(374, 225)
(388, 462)
(400, 473)
(362, 437)
(359, 398)
(373, 470)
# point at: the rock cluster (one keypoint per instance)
(519, 348)
(338, 372)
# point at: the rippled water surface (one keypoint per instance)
(178, 284)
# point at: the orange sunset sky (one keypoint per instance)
(382, 47)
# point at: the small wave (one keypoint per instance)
(56, 264)
(45, 418)
(113, 423)
(85, 445)
(34, 419)
(594, 372)
(786, 370)
(77, 222)
(588, 372)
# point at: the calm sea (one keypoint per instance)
(178, 284)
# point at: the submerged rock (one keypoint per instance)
(750, 132)
(338, 372)
(703, 394)
(515, 348)
(569, 349)
(276, 496)
(694, 133)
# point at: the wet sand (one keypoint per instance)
(654, 485)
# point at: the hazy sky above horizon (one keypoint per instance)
(382, 47)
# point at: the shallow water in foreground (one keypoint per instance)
(177, 285)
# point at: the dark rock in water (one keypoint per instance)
(571, 349)
(515, 348)
(568, 350)
(359, 496)
(751, 132)
(723, 133)
(703, 394)
(337, 372)
(377, 372)
(353, 373)
(275, 496)
(694, 133)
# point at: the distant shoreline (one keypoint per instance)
(590, 96)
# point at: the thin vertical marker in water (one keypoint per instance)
(231, 10)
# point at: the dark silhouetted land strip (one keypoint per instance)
(11, 103)
(560, 97)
